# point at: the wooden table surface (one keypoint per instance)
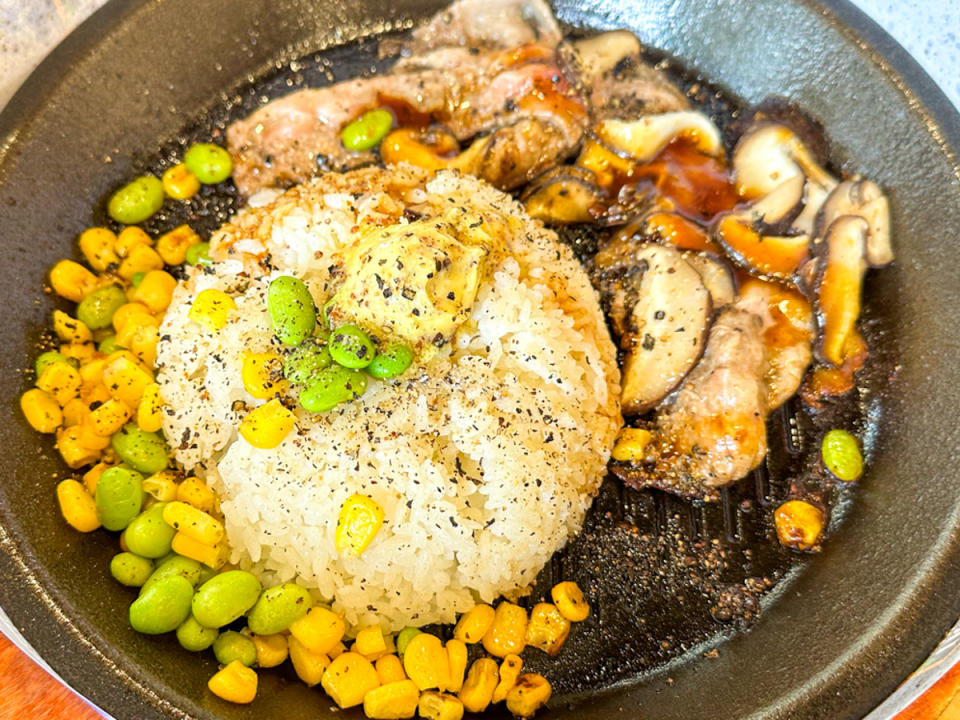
(27, 691)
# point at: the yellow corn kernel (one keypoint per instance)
(360, 520)
(262, 374)
(474, 623)
(799, 524)
(349, 678)
(389, 669)
(509, 672)
(194, 523)
(75, 411)
(133, 329)
(77, 506)
(213, 556)
(265, 427)
(308, 665)
(426, 662)
(547, 628)
(70, 329)
(477, 690)
(129, 238)
(172, 246)
(194, 491)
(91, 371)
(179, 183)
(631, 445)
(162, 486)
(531, 693)
(372, 657)
(457, 657)
(569, 600)
(393, 701)
(92, 393)
(156, 290)
(370, 641)
(272, 650)
(143, 344)
(72, 280)
(319, 630)
(336, 651)
(439, 706)
(125, 312)
(210, 308)
(506, 632)
(235, 683)
(61, 380)
(141, 258)
(150, 409)
(125, 378)
(79, 351)
(41, 410)
(74, 453)
(110, 417)
(98, 247)
(88, 437)
(92, 476)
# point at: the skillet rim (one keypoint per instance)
(35, 611)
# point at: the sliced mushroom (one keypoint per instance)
(674, 229)
(716, 276)
(841, 264)
(769, 154)
(788, 332)
(600, 54)
(564, 195)
(645, 137)
(669, 326)
(863, 198)
(778, 256)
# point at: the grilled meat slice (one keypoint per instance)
(714, 430)
(519, 98)
(482, 23)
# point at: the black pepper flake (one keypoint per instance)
(659, 315)
(408, 293)
(379, 280)
(416, 312)
(451, 295)
(648, 342)
(387, 293)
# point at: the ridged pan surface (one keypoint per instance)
(674, 584)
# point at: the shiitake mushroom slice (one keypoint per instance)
(668, 328)
(841, 264)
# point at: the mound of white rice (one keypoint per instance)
(484, 458)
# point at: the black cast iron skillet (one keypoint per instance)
(831, 642)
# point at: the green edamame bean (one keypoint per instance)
(119, 497)
(195, 637)
(231, 645)
(309, 358)
(366, 132)
(143, 451)
(148, 535)
(130, 570)
(187, 568)
(277, 609)
(404, 637)
(841, 454)
(332, 386)
(351, 347)
(162, 606)
(96, 309)
(210, 163)
(49, 358)
(390, 362)
(198, 254)
(292, 312)
(225, 597)
(137, 278)
(136, 201)
(109, 345)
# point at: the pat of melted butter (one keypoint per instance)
(417, 283)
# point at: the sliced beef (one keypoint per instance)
(713, 432)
